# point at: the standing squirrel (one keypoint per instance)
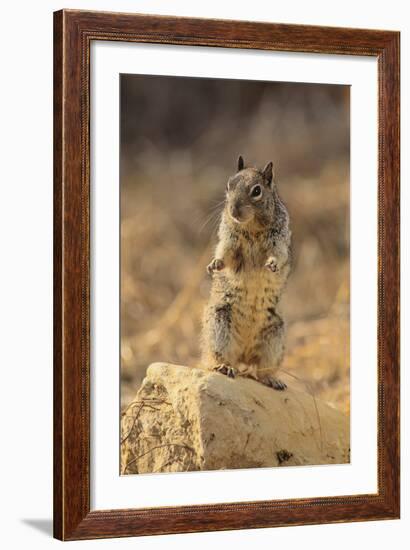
(242, 330)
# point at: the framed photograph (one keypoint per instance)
(226, 275)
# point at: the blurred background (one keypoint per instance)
(180, 140)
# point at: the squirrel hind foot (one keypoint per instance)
(274, 383)
(226, 369)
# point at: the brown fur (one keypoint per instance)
(242, 329)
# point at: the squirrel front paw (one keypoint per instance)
(215, 265)
(272, 264)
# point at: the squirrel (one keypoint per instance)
(242, 332)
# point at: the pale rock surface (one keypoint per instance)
(186, 418)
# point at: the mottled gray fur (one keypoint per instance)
(243, 332)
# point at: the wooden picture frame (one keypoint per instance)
(73, 33)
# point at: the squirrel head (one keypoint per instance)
(251, 196)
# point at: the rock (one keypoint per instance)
(186, 418)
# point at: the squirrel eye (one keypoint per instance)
(256, 191)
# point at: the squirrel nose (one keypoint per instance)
(236, 210)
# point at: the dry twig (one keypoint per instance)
(153, 449)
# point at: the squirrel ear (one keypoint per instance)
(240, 164)
(268, 173)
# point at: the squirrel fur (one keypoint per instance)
(243, 332)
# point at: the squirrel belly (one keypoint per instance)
(242, 326)
(243, 331)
